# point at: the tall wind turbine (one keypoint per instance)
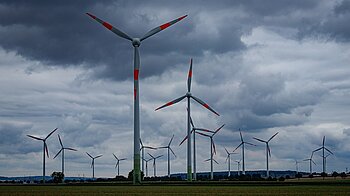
(243, 144)
(310, 162)
(62, 150)
(323, 156)
(169, 149)
(194, 130)
(93, 163)
(146, 165)
(44, 149)
(189, 96)
(229, 161)
(268, 152)
(212, 147)
(154, 163)
(143, 153)
(118, 161)
(136, 42)
(238, 167)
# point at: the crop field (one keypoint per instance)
(176, 190)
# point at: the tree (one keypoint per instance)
(131, 175)
(335, 174)
(298, 175)
(323, 175)
(57, 177)
(343, 175)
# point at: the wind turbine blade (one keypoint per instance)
(58, 153)
(272, 137)
(158, 156)
(238, 147)
(317, 149)
(149, 147)
(59, 139)
(306, 160)
(171, 140)
(172, 151)
(171, 102)
(71, 149)
(328, 150)
(191, 121)
(226, 158)
(313, 162)
(50, 133)
(217, 130)
(161, 27)
(183, 140)
(122, 159)
(324, 138)
(260, 140)
(204, 104)
(227, 151)
(207, 160)
(37, 138)
(92, 163)
(205, 130)
(150, 155)
(215, 161)
(268, 149)
(189, 79)
(111, 28)
(141, 142)
(214, 148)
(46, 149)
(250, 143)
(98, 156)
(240, 133)
(115, 156)
(89, 155)
(203, 134)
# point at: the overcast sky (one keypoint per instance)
(266, 67)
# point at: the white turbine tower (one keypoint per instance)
(189, 96)
(268, 152)
(136, 42)
(62, 150)
(169, 149)
(242, 144)
(44, 149)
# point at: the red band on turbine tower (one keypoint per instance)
(136, 74)
(107, 25)
(135, 93)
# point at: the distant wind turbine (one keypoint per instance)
(323, 148)
(268, 152)
(154, 163)
(143, 153)
(118, 162)
(44, 149)
(242, 144)
(136, 42)
(212, 149)
(62, 150)
(297, 166)
(93, 163)
(310, 162)
(229, 161)
(146, 161)
(238, 166)
(169, 149)
(189, 96)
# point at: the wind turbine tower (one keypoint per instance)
(169, 149)
(93, 164)
(62, 150)
(243, 144)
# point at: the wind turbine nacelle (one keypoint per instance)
(136, 42)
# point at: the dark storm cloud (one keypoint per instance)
(60, 33)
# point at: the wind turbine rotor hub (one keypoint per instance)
(188, 94)
(136, 42)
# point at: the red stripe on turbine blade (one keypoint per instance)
(169, 103)
(107, 25)
(92, 16)
(136, 74)
(182, 17)
(206, 105)
(190, 74)
(164, 26)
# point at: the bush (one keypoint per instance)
(57, 177)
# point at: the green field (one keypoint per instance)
(177, 190)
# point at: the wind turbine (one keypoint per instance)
(143, 153)
(189, 96)
(118, 161)
(242, 144)
(310, 162)
(44, 149)
(194, 129)
(136, 42)
(238, 167)
(268, 152)
(154, 163)
(323, 156)
(93, 163)
(62, 150)
(229, 161)
(169, 149)
(146, 165)
(212, 147)
(297, 166)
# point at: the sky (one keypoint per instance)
(265, 67)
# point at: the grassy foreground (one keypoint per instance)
(177, 190)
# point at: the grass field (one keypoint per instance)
(177, 190)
